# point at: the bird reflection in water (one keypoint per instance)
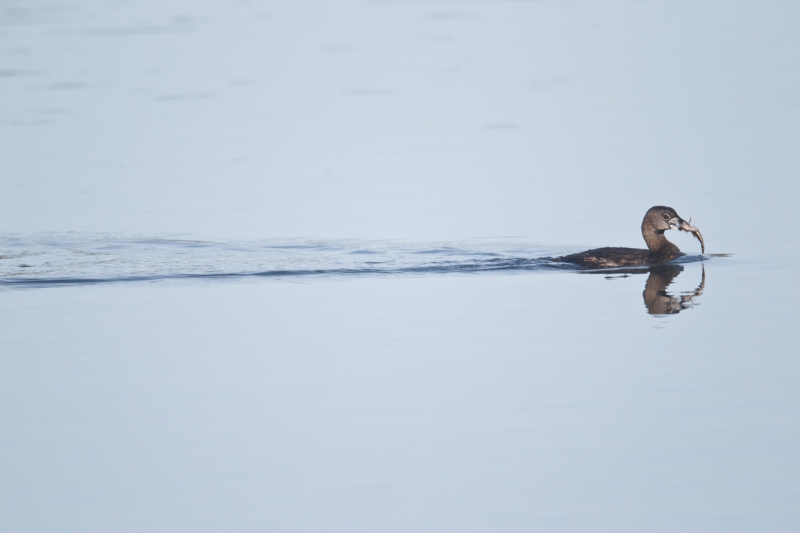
(656, 298)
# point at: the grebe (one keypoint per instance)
(656, 221)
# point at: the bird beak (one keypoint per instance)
(687, 227)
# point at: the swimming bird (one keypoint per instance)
(656, 221)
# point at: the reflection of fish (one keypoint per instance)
(656, 221)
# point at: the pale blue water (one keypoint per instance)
(52, 259)
(283, 266)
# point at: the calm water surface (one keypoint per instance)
(284, 266)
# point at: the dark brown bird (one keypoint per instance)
(656, 221)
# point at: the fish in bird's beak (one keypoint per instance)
(687, 227)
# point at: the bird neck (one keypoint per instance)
(655, 240)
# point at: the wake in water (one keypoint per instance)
(69, 259)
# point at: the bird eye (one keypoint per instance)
(666, 216)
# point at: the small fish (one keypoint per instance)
(688, 228)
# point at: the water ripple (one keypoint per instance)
(47, 260)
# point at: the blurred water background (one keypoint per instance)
(405, 166)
